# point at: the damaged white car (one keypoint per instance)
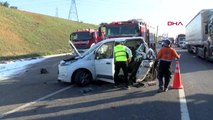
(97, 63)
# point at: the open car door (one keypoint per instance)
(146, 57)
(142, 59)
(104, 62)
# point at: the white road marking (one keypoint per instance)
(34, 102)
(183, 105)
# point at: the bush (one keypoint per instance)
(14, 7)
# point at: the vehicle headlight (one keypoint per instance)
(65, 63)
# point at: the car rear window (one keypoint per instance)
(133, 43)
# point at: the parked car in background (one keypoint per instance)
(97, 63)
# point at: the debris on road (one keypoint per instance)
(86, 90)
(43, 71)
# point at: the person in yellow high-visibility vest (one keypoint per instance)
(122, 56)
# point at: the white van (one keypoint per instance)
(97, 63)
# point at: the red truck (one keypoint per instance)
(130, 28)
(84, 39)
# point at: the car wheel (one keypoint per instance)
(189, 49)
(83, 77)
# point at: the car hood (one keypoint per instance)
(74, 51)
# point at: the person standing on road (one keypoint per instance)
(122, 56)
(165, 57)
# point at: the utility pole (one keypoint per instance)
(157, 34)
(56, 12)
(73, 13)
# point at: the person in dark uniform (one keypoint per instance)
(122, 56)
(165, 57)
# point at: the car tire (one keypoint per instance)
(83, 78)
(206, 57)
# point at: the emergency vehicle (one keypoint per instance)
(130, 28)
(97, 63)
(84, 39)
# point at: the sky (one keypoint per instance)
(155, 12)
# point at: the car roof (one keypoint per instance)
(122, 39)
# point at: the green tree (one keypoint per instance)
(5, 4)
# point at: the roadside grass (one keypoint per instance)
(25, 34)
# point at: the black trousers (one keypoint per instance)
(134, 68)
(118, 66)
(164, 74)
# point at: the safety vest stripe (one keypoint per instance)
(120, 55)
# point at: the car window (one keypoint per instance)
(105, 51)
(92, 49)
(133, 45)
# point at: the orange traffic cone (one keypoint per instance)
(177, 84)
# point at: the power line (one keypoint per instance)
(73, 11)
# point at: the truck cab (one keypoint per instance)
(180, 40)
(84, 39)
(130, 28)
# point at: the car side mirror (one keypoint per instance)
(97, 55)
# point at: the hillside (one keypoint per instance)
(29, 34)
